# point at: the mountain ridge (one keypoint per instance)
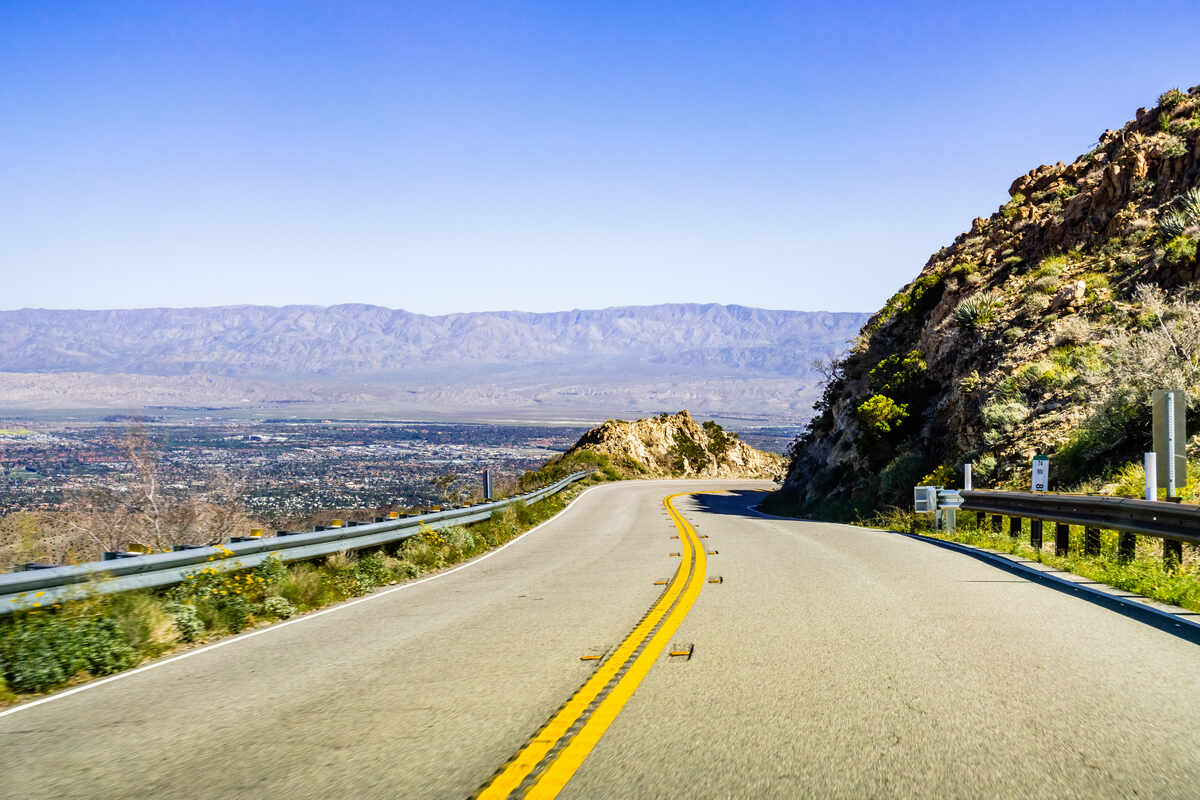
(252, 340)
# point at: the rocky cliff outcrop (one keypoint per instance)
(676, 446)
(1002, 345)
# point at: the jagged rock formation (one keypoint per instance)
(676, 446)
(999, 348)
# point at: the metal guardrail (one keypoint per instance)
(1146, 517)
(20, 591)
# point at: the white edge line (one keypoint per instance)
(280, 625)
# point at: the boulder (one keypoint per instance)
(1069, 297)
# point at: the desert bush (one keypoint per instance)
(43, 650)
(1180, 250)
(187, 622)
(1009, 209)
(1073, 330)
(403, 569)
(235, 613)
(145, 622)
(944, 475)
(1001, 417)
(881, 414)
(898, 375)
(278, 607)
(272, 571)
(1166, 354)
(977, 310)
(900, 475)
(426, 555)
(370, 571)
(305, 587)
(1171, 98)
(1182, 217)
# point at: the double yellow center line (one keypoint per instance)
(542, 768)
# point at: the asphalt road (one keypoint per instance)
(831, 661)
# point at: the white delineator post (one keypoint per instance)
(1170, 444)
(1151, 465)
(966, 476)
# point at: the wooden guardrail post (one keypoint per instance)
(1035, 534)
(1091, 541)
(1172, 554)
(997, 523)
(1062, 538)
(980, 519)
(1126, 546)
(1014, 527)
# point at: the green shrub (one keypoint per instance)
(42, 651)
(1171, 225)
(272, 571)
(425, 555)
(187, 622)
(370, 571)
(1171, 98)
(898, 375)
(719, 441)
(403, 569)
(881, 414)
(278, 607)
(235, 613)
(1001, 418)
(977, 310)
(460, 543)
(945, 475)
(1009, 209)
(687, 452)
(1180, 250)
(901, 474)
(1174, 147)
(145, 622)
(305, 587)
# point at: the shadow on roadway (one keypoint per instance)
(738, 502)
(733, 502)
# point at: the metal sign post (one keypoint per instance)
(1170, 437)
(1041, 473)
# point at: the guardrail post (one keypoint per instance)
(980, 519)
(1172, 554)
(1091, 541)
(1126, 546)
(997, 523)
(1014, 527)
(1062, 538)
(1035, 534)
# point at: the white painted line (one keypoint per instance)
(280, 625)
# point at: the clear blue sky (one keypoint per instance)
(456, 157)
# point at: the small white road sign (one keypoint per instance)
(1041, 473)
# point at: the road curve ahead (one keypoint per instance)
(828, 661)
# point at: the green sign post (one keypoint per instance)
(1170, 438)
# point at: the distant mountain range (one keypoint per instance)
(632, 358)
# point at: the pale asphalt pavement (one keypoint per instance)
(831, 662)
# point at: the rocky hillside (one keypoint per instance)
(1042, 328)
(668, 446)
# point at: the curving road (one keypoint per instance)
(830, 661)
